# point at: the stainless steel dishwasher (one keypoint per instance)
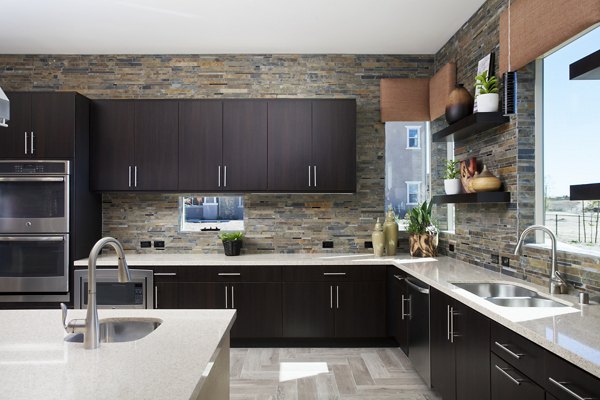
(418, 339)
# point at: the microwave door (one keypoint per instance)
(34, 204)
(34, 264)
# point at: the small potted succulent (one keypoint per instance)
(423, 234)
(487, 93)
(232, 242)
(452, 184)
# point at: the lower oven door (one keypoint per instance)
(110, 293)
(34, 263)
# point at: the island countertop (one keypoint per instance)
(572, 333)
(169, 363)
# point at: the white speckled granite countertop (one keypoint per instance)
(572, 332)
(36, 362)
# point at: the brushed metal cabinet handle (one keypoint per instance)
(130, 176)
(229, 274)
(451, 324)
(219, 177)
(337, 297)
(506, 374)
(334, 273)
(561, 385)
(504, 347)
(25, 142)
(31, 147)
(315, 178)
(448, 322)
(308, 175)
(331, 297)
(226, 302)
(225, 176)
(232, 296)
(135, 176)
(165, 274)
(155, 296)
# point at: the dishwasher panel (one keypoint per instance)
(418, 341)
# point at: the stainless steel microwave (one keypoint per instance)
(110, 293)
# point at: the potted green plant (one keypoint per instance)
(486, 89)
(423, 234)
(232, 242)
(452, 184)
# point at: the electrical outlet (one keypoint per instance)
(368, 244)
(495, 259)
(144, 244)
(327, 244)
(159, 244)
(451, 247)
(505, 262)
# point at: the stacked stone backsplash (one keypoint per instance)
(509, 153)
(274, 223)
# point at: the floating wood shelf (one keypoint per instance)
(482, 197)
(468, 126)
(590, 191)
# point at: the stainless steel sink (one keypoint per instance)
(508, 295)
(116, 330)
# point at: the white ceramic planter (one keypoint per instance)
(452, 186)
(488, 102)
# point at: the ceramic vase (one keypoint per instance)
(378, 239)
(488, 102)
(452, 186)
(390, 230)
(459, 104)
(485, 181)
(423, 245)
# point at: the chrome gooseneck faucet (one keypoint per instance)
(556, 281)
(91, 326)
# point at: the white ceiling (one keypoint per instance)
(230, 26)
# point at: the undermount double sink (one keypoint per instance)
(115, 330)
(508, 295)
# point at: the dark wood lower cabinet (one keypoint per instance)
(443, 368)
(258, 306)
(166, 295)
(308, 310)
(201, 295)
(397, 318)
(360, 309)
(507, 383)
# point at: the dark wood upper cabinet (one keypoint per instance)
(42, 126)
(290, 144)
(112, 145)
(244, 145)
(156, 145)
(200, 145)
(334, 145)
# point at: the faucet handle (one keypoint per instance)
(63, 307)
(75, 325)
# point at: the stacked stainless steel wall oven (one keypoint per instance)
(34, 230)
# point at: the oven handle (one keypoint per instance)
(32, 239)
(33, 179)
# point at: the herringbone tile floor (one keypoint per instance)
(324, 373)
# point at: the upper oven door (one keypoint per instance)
(34, 264)
(34, 204)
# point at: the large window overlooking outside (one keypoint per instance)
(200, 213)
(406, 165)
(571, 141)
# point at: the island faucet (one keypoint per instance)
(90, 327)
(556, 281)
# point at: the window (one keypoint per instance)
(207, 214)
(413, 134)
(570, 143)
(413, 193)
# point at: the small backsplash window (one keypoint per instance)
(200, 213)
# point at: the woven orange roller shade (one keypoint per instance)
(440, 86)
(404, 99)
(538, 26)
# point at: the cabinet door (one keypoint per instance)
(289, 148)
(200, 145)
(443, 370)
(508, 383)
(156, 145)
(166, 295)
(472, 353)
(112, 126)
(308, 310)
(334, 145)
(258, 308)
(14, 140)
(202, 295)
(400, 315)
(359, 309)
(245, 145)
(53, 125)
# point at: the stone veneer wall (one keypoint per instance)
(274, 223)
(509, 152)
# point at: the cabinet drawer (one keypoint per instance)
(166, 274)
(327, 273)
(523, 354)
(565, 381)
(511, 384)
(249, 273)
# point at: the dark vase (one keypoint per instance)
(232, 247)
(459, 105)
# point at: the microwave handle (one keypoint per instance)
(32, 239)
(33, 179)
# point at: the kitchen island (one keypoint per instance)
(186, 357)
